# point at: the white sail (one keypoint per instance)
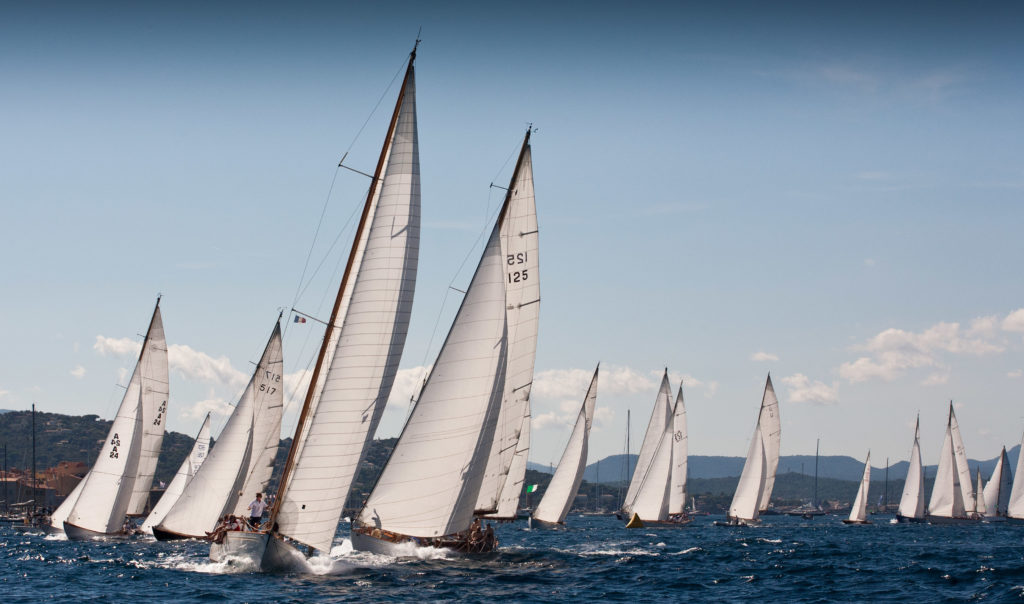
(216, 486)
(1015, 508)
(771, 434)
(947, 497)
(564, 485)
(677, 488)
(997, 492)
(512, 491)
(754, 490)
(186, 471)
(746, 502)
(152, 368)
(962, 469)
(859, 511)
(520, 249)
(103, 503)
(912, 500)
(371, 330)
(655, 488)
(62, 512)
(431, 482)
(266, 433)
(981, 508)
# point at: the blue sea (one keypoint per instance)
(595, 558)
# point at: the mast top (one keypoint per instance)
(412, 55)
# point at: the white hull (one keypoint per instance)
(258, 550)
(77, 533)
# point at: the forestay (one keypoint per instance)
(432, 480)
(564, 485)
(187, 469)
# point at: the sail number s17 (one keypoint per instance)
(515, 260)
(273, 378)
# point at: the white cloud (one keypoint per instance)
(539, 422)
(895, 351)
(1014, 321)
(78, 372)
(190, 363)
(764, 356)
(4, 393)
(984, 327)
(572, 383)
(407, 385)
(1015, 373)
(214, 406)
(869, 262)
(802, 390)
(935, 379)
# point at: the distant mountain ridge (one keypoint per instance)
(612, 469)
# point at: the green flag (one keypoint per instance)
(531, 488)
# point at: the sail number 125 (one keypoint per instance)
(514, 260)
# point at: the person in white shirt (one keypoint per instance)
(256, 509)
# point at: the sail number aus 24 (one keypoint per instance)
(514, 260)
(273, 378)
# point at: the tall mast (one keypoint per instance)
(817, 448)
(7, 503)
(33, 459)
(307, 402)
(886, 484)
(515, 174)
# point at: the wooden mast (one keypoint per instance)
(374, 183)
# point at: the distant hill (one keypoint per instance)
(612, 469)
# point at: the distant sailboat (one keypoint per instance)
(758, 477)
(952, 498)
(648, 494)
(997, 492)
(216, 487)
(100, 504)
(188, 469)
(980, 497)
(859, 511)
(358, 358)
(1015, 507)
(430, 487)
(561, 491)
(912, 501)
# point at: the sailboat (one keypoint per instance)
(429, 488)
(216, 488)
(102, 503)
(952, 498)
(657, 490)
(980, 496)
(859, 511)
(1015, 507)
(187, 469)
(997, 492)
(561, 491)
(912, 501)
(357, 362)
(754, 490)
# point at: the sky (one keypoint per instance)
(831, 193)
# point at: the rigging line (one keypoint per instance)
(326, 255)
(401, 69)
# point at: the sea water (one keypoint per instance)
(594, 558)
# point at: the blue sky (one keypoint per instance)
(831, 193)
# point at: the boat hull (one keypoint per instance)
(848, 521)
(536, 523)
(908, 519)
(400, 546)
(77, 533)
(165, 535)
(737, 522)
(257, 550)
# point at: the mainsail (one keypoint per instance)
(187, 469)
(363, 345)
(859, 511)
(1015, 508)
(912, 500)
(100, 502)
(564, 485)
(431, 482)
(997, 492)
(648, 492)
(153, 392)
(214, 490)
(520, 249)
(947, 499)
(981, 508)
(962, 469)
(758, 477)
